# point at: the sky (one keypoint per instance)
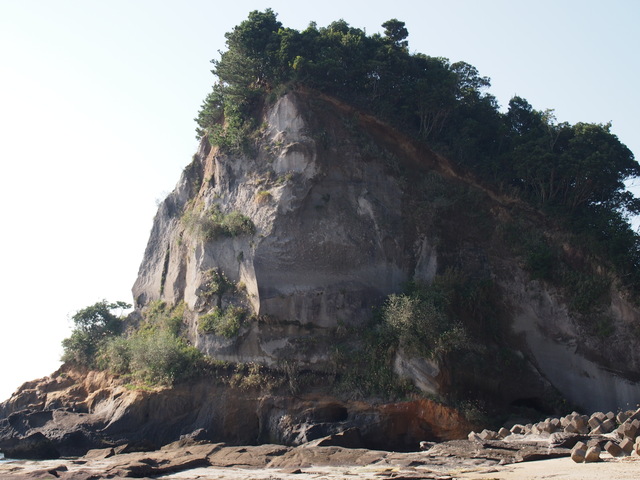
(97, 100)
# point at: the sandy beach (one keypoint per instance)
(627, 468)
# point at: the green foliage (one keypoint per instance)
(215, 286)
(161, 357)
(421, 321)
(154, 353)
(540, 259)
(158, 316)
(213, 224)
(222, 322)
(115, 355)
(586, 291)
(365, 369)
(376, 72)
(93, 326)
(253, 376)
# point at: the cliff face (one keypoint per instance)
(73, 411)
(327, 247)
(341, 221)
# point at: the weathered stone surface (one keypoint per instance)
(350, 438)
(571, 428)
(565, 440)
(188, 454)
(33, 445)
(474, 437)
(333, 239)
(99, 453)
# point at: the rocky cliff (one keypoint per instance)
(346, 211)
(292, 244)
(73, 411)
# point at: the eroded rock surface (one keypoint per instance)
(208, 461)
(74, 411)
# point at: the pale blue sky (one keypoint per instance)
(97, 101)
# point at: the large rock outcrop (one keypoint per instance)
(74, 411)
(341, 222)
(324, 214)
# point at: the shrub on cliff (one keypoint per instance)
(223, 322)
(422, 321)
(154, 353)
(151, 356)
(213, 224)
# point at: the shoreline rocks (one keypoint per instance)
(587, 436)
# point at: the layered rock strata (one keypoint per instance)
(74, 411)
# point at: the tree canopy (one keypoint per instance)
(575, 171)
(93, 325)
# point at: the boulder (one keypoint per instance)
(565, 440)
(99, 453)
(629, 429)
(593, 454)
(626, 445)
(474, 437)
(488, 435)
(517, 429)
(608, 425)
(622, 417)
(579, 452)
(33, 446)
(594, 422)
(613, 449)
